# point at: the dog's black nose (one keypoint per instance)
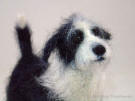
(99, 50)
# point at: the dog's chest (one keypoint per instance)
(77, 88)
(72, 86)
(69, 84)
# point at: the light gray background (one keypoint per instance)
(46, 15)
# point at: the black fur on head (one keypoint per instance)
(66, 40)
(100, 32)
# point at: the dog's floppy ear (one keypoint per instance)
(49, 47)
(56, 40)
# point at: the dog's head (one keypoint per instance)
(79, 42)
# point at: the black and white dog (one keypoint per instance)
(71, 68)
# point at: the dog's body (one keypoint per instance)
(71, 68)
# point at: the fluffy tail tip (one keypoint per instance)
(21, 21)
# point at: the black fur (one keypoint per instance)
(101, 33)
(65, 41)
(23, 85)
(24, 36)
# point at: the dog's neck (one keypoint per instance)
(72, 85)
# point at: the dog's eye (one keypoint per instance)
(77, 36)
(101, 33)
(96, 31)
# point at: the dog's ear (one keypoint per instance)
(56, 40)
(49, 47)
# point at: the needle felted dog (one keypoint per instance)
(71, 67)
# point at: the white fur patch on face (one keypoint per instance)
(85, 57)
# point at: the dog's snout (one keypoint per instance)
(99, 50)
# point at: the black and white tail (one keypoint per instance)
(24, 37)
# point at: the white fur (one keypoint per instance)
(21, 21)
(85, 56)
(73, 84)
(83, 79)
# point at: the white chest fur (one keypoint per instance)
(72, 85)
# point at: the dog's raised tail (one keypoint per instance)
(24, 36)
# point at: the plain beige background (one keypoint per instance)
(46, 15)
